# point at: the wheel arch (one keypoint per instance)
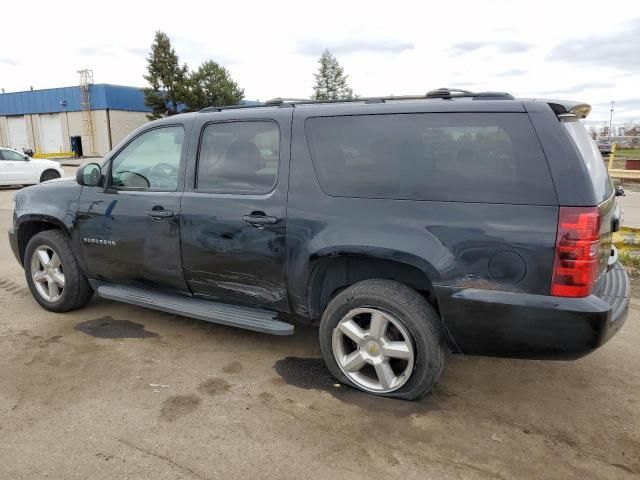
(33, 225)
(334, 270)
(48, 169)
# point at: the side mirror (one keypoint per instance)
(89, 175)
(27, 158)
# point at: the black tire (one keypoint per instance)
(49, 175)
(415, 314)
(77, 291)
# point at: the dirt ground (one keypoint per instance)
(115, 391)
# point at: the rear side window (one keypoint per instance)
(470, 157)
(239, 157)
(592, 158)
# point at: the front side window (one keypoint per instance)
(239, 157)
(150, 162)
(11, 155)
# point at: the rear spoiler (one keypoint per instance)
(566, 107)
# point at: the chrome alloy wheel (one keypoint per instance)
(47, 273)
(373, 349)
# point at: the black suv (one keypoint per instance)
(406, 227)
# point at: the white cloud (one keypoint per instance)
(534, 48)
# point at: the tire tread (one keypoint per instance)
(76, 282)
(418, 315)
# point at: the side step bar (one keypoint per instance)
(232, 315)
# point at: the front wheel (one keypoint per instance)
(53, 274)
(49, 175)
(383, 337)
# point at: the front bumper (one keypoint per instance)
(518, 325)
(13, 242)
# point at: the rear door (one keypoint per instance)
(234, 206)
(600, 181)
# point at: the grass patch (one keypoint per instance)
(629, 260)
(626, 153)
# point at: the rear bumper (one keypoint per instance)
(510, 324)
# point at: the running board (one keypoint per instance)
(231, 315)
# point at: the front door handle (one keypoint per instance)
(159, 213)
(259, 219)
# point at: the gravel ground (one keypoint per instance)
(115, 391)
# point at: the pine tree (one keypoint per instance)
(331, 82)
(212, 86)
(167, 78)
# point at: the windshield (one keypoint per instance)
(592, 158)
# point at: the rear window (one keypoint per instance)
(471, 157)
(591, 157)
(239, 157)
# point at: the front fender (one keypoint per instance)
(53, 203)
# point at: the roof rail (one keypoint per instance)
(449, 93)
(281, 100)
(232, 107)
(443, 93)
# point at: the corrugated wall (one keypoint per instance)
(67, 99)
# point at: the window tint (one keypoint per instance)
(592, 158)
(473, 157)
(239, 157)
(11, 155)
(150, 162)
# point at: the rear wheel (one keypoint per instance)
(53, 274)
(49, 175)
(383, 337)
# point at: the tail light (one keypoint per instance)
(577, 252)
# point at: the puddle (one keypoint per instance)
(108, 327)
(312, 374)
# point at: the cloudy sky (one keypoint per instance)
(579, 50)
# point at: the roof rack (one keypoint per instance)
(232, 107)
(443, 93)
(449, 93)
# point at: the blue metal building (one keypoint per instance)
(67, 99)
(51, 120)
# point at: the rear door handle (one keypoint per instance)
(259, 219)
(159, 213)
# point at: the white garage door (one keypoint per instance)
(17, 132)
(51, 132)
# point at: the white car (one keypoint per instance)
(19, 169)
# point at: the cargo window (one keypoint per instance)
(473, 157)
(591, 157)
(239, 157)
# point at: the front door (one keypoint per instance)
(3, 170)
(18, 168)
(130, 227)
(234, 208)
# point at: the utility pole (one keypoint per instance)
(611, 119)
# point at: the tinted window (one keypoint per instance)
(239, 157)
(150, 162)
(473, 157)
(592, 158)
